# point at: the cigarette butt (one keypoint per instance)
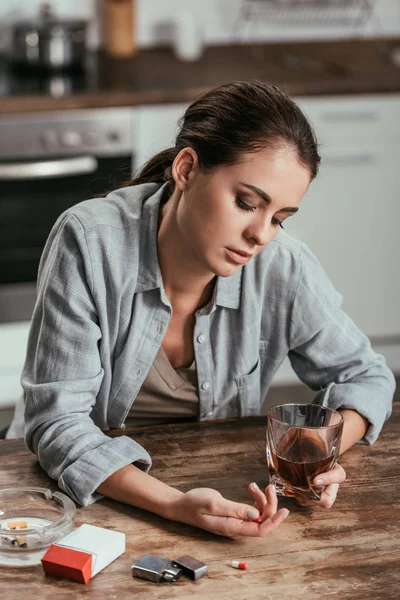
(239, 564)
(21, 540)
(17, 525)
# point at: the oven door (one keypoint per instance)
(33, 193)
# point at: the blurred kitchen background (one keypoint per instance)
(89, 90)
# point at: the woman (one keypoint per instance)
(179, 296)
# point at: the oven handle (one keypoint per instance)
(65, 167)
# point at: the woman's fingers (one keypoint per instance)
(328, 497)
(207, 508)
(220, 507)
(266, 503)
(236, 528)
(335, 475)
(273, 522)
(329, 494)
(330, 481)
(259, 497)
(271, 505)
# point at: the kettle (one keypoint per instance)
(48, 42)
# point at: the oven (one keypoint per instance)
(49, 162)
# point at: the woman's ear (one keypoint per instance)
(184, 168)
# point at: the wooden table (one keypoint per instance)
(351, 551)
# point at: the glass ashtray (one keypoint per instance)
(30, 520)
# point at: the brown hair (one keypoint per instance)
(234, 119)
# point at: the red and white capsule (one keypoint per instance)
(239, 564)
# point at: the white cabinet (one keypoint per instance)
(351, 214)
(350, 220)
(156, 128)
(363, 116)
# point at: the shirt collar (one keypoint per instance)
(227, 291)
(149, 275)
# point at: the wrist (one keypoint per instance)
(355, 427)
(171, 508)
(132, 486)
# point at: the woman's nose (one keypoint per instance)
(261, 232)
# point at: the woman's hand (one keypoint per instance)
(331, 480)
(208, 509)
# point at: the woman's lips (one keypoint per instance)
(238, 256)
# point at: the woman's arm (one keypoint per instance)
(201, 507)
(132, 486)
(332, 356)
(63, 372)
(355, 427)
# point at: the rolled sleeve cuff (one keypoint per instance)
(368, 404)
(81, 479)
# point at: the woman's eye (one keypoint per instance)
(276, 221)
(243, 205)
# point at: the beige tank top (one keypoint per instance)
(166, 395)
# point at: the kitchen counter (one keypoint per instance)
(155, 76)
(349, 551)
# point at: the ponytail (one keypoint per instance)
(157, 169)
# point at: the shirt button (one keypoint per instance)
(205, 385)
(201, 338)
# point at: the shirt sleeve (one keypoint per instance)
(63, 373)
(330, 354)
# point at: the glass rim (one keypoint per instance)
(305, 426)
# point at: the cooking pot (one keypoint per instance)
(48, 42)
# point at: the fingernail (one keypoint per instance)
(319, 482)
(253, 513)
(287, 513)
(273, 488)
(255, 486)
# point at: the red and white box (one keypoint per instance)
(83, 553)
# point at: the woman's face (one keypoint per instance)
(229, 215)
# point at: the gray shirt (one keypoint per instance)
(102, 313)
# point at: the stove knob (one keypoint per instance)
(71, 139)
(92, 138)
(49, 139)
(114, 136)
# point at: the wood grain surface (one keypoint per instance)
(155, 76)
(349, 552)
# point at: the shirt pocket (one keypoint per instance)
(248, 392)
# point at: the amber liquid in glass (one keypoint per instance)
(299, 458)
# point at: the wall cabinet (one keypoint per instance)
(350, 215)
